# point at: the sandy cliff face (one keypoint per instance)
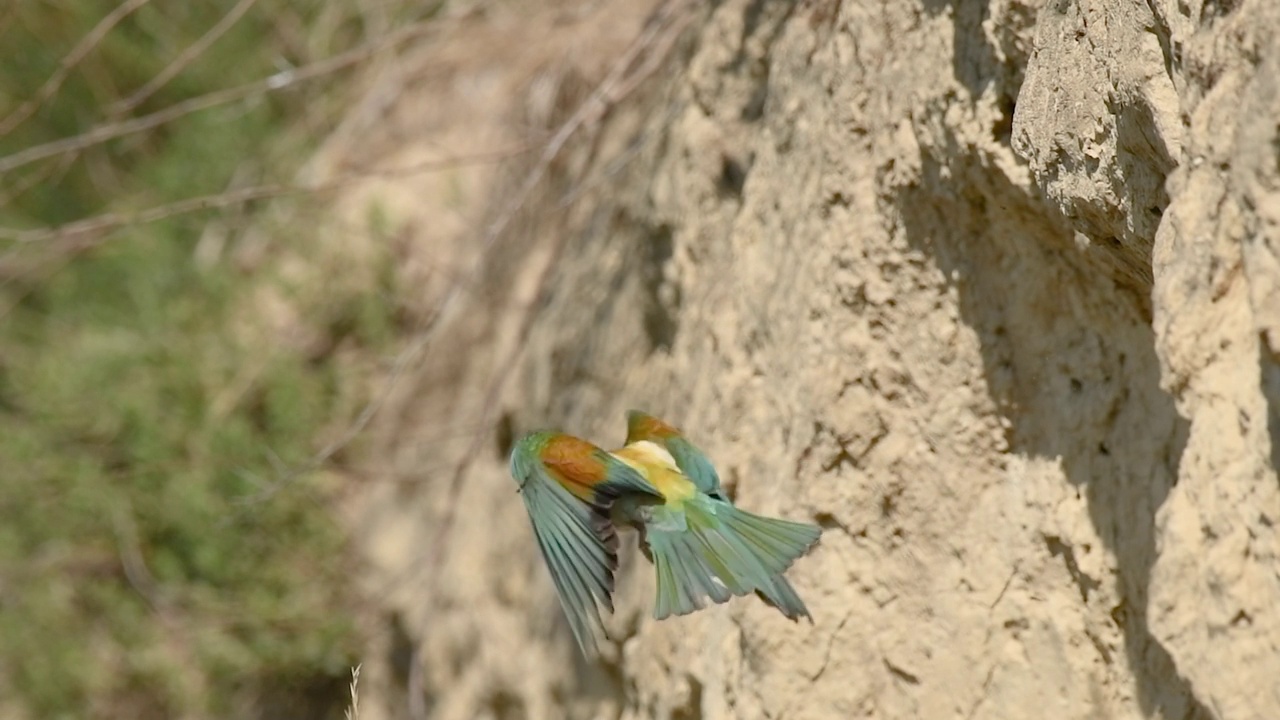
(990, 291)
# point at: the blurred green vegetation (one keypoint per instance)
(143, 400)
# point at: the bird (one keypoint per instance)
(702, 546)
(569, 487)
(697, 467)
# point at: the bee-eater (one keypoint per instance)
(695, 466)
(569, 487)
(702, 547)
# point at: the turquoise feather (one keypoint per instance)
(711, 550)
(695, 465)
(576, 538)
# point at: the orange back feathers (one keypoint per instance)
(576, 463)
(643, 426)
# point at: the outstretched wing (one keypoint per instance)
(591, 474)
(581, 550)
(691, 461)
(569, 487)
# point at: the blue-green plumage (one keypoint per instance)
(710, 550)
(568, 486)
(695, 465)
(748, 542)
(704, 549)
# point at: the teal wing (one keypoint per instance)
(687, 575)
(579, 545)
(710, 550)
(778, 591)
(782, 595)
(620, 480)
(695, 465)
(580, 548)
(691, 461)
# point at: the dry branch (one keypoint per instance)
(288, 78)
(640, 61)
(73, 58)
(112, 221)
(624, 76)
(180, 63)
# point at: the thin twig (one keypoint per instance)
(42, 268)
(590, 111)
(279, 81)
(47, 175)
(7, 13)
(180, 63)
(135, 567)
(417, 696)
(622, 79)
(124, 107)
(353, 712)
(73, 58)
(114, 220)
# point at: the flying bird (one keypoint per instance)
(702, 547)
(569, 487)
(697, 467)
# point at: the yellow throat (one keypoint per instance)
(656, 464)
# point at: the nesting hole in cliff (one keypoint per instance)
(313, 696)
(504, 434)
(662, 296)
(1219, 8)
(504, 705)
(733, 176)
(1269, 361)
(1002, 126)
(400, 653)
(691, 710)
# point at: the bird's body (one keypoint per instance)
(660, 469)
(702, 547)
(579, 466)
(644, 429)
(569, 487)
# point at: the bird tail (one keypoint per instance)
(709, 549)
(783, 597)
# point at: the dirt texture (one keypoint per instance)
(991, 291)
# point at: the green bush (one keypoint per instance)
(138, 416)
